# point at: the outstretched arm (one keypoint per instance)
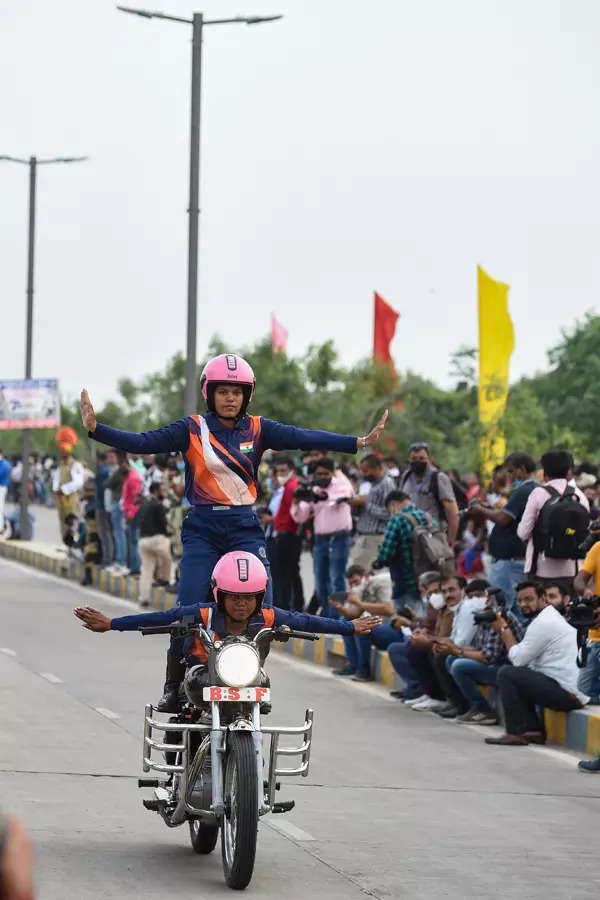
(322, 625)
(276, 436)
(169, 439)
(94, 620)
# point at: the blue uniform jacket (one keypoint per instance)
(297, 621)
(241, 448)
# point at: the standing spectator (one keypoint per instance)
(102, 514)
(587, 584)
(132, 496)
(114, 483)
(288, 545)
(543, 671)
(430, 489)
(543, 525)
(67, 483)
(396, 548)
(373, 513)
(152, 472)
(267, 519)
(505, 546)
(4, 482)
(155, 547)
(332, 528)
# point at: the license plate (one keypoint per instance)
(236, 695)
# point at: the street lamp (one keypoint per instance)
(33, 162)
(197, 22)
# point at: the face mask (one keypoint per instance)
(281, 479)
(394, 471)
(322, 482)
(418, 466)
(305, 469)
(516, 482)
(436, 601)
(180, 466)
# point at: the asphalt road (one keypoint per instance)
(398, 804)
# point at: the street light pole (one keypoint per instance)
(198, 22)
(190, 395)
(33, 163)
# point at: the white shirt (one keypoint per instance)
(463, 626)
(75, 484)
(550, 647)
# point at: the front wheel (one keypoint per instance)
(239, 827)
(203, 837)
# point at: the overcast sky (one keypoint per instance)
(352, 146)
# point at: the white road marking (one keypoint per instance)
(291, 831)
(53, 679)
(108, 713)
(8, 651)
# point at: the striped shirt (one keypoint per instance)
(374, 514)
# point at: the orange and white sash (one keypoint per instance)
(234, 487)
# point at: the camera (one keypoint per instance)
(583, 613)
(310, 492)
(592, 538)
(487, 616)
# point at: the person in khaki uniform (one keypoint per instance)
(67, 484)
(154, 544)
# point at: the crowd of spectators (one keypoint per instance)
(468, 576)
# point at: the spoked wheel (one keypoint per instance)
(240, 823)
(203, 837)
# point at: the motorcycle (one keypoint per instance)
(214, 753)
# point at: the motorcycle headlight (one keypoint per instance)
(237, 665)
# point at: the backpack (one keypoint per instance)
(430, 548)
(561, 526)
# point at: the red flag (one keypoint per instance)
(384, 328)
(279, 335)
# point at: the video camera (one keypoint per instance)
(583, 613)
(310, 492)
(592, 538)
(487, 616)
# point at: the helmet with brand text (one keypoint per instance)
(227, 369)
(239, 572)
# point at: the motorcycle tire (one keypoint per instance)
(203, 838)
(239, 826)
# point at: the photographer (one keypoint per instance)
(543, 671)
(587, 585)
(326, 499)
(479, 663)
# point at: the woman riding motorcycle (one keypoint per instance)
(222, 452)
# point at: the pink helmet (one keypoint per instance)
(240, 572)
(227, 369)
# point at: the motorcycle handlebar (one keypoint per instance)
(156, 629)
(305, 635)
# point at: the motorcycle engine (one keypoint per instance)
(201, 792)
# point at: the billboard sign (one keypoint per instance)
(29, 403)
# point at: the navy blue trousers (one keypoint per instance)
(207, 534)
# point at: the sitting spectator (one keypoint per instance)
(74, 536)
(545, 526)
(396, 548)
(505, 546)
(373, 514)
(372, 595)
(154, 544)
(330, 509)
(543, 671)
(420, 653)
(429, 584)
(478, 664)
(472, 598)
(587, 584)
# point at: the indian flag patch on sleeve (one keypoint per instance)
(246, 446)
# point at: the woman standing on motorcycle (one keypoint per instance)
(222, 452)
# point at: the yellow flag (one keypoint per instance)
(496, 343)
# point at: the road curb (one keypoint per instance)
(577, 730)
